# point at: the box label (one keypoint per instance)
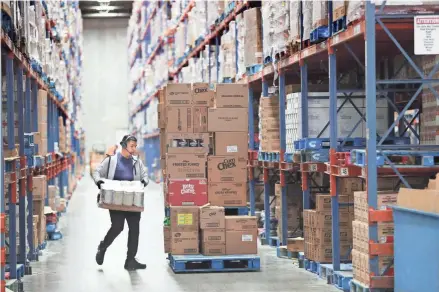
(184, 219)
(247, 237)
(232, 149)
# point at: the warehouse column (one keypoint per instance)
(304, 100)
(251, 147)
(22, 178)
(267, 187)
(28, 129)
(11, 167)
(371, 147)
(333, 149)
(282, 156)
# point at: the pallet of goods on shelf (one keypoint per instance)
(253, 41)
(203, 129)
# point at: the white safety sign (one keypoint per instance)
(426, 35)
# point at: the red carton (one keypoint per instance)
(187, 192)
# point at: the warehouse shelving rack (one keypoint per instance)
(17, 172)
(372, 38)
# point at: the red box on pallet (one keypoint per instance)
(187, 192)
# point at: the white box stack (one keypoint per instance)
(318, 117)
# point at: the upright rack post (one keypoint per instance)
(12, 232)
(267, 187)
(22, 186)
(371, 168)
(251, 144)
(2, 206)
(333, 149)
(282, 155)
(217, 44)
(304, 113)
(28, 129)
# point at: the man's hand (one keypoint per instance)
(99, 183)
(144, 183)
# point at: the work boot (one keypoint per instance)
(100, 254)
(133, 264)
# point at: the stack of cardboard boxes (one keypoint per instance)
(318, 223)
(269, 124)
(360, 252)
(253, 37)
(199, 126)
(62, 143)
(294, 204)
(39, 192)
(40, 137)
(227, 167)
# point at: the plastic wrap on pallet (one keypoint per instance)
(228, 53)
(295, 21)
(355, 9)
(253, 37)
(241, 48)
(214, 11)
(307, 10)
(319, 14)
(276, 26)
(338, 9)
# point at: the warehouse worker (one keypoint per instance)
(123, 166)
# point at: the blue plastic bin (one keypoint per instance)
(416, 250)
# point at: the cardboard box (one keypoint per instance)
(186, 143)
(231, 143)
(217, 236)
(200, 119)
(179, 119)
(241, 223)
(296, 244)
(167, 236)
(227, 169)
(231, 95)
(187, 192)
(242, 242)
(42, 98)
(39, 187)
(183, 166)
(52, 192)
(324, 203)
(202, 94)
(227, 120)
(178, 94)
(185, 243)
(212, 217)
(213, 249)
(184, 218)
(227, 194)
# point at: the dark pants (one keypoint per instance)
(117, 222)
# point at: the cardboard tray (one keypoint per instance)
(121, 207)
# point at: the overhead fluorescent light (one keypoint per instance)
(103, 15)
(100, 8)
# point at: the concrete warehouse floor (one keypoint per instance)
(69, 265)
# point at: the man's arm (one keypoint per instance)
(143, 173)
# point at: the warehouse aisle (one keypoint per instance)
(69, 265)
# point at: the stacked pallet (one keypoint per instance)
(294, 202)
(318, 223)
(253, 46)
(269, 134)
(276, 27)
(39, 194)
(430, 107)
(360, 252)
(227, 55)
(196, 121)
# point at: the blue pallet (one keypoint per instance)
(57, 235)
(236, 211)
(209, 264)
(38, 161)
(274, 241)
(339, 24)
(251, 70)
(230, 7)
(227, 80)
(20, 270)
(320, 143)
(199, 41)
(356, 286)
(341, 280)
(283, 252)
(426, 158)
(289, 157)
(311, 266)
(317, 156)
(268, 60)
(269, 156)
(319, 34)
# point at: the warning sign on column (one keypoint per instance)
(427, 35)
